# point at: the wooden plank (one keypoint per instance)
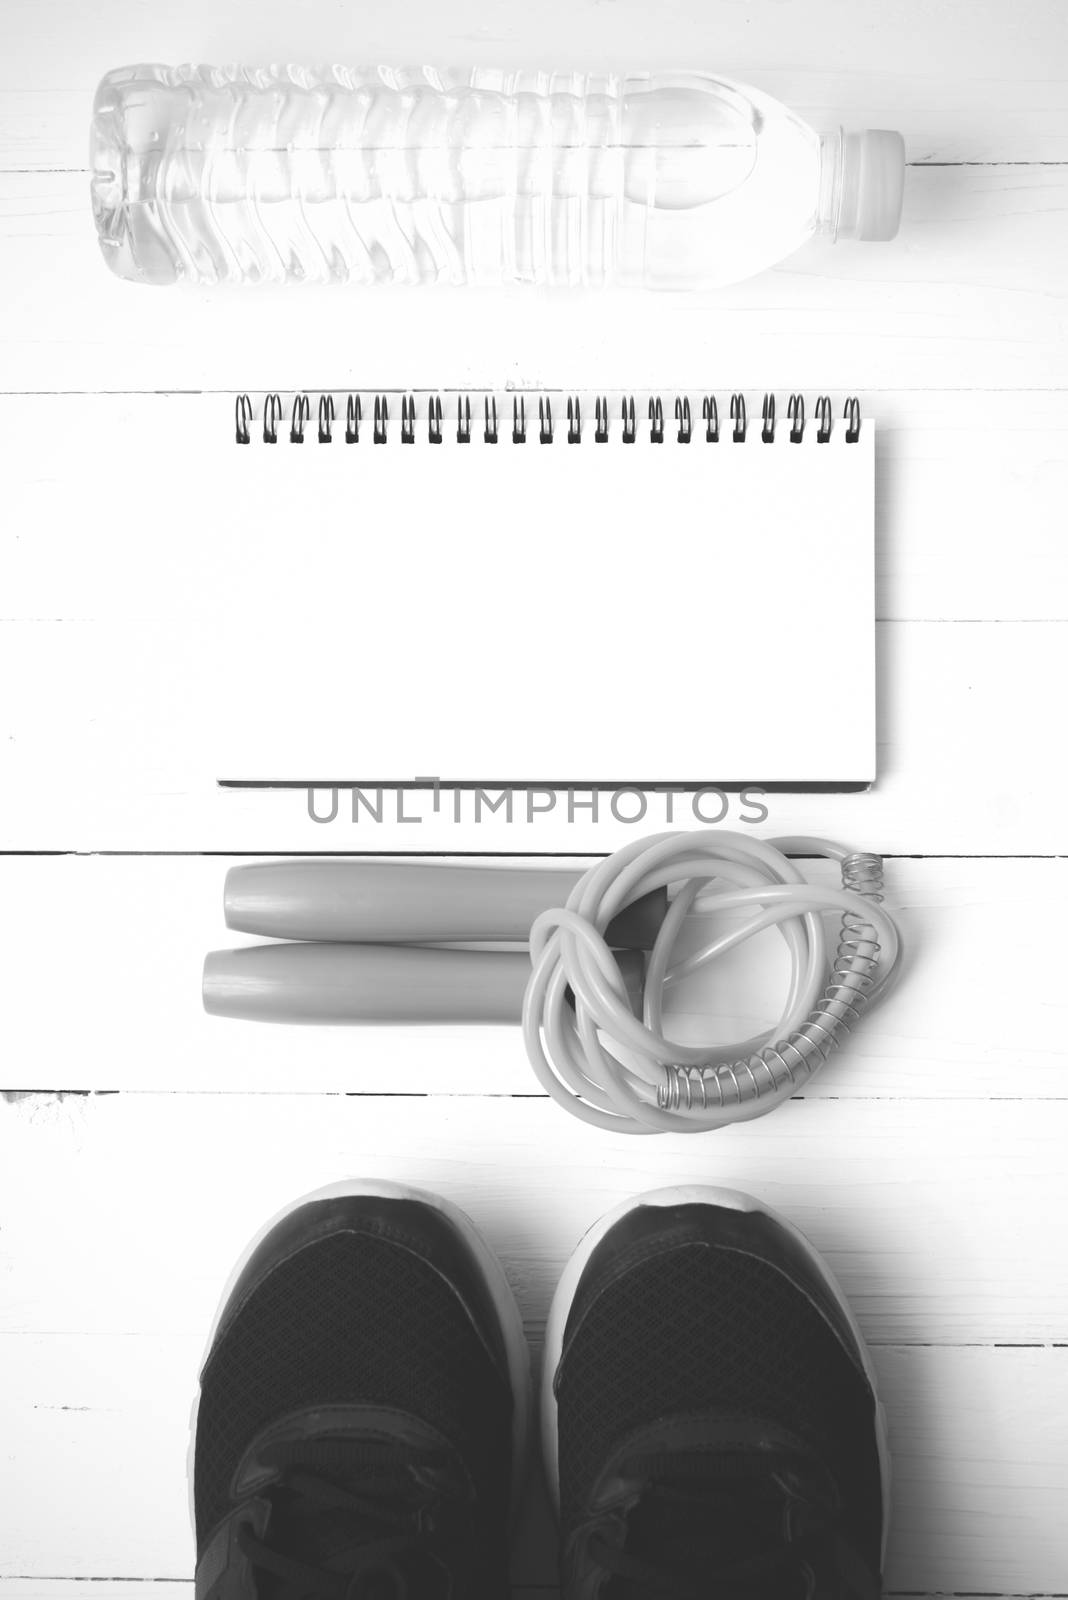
(180, 1588)
(941, 1218)
(105, 1319)
(23, 1588)
(121, 939)
(969, 289)
(977, 1439)
(126, 729)
(966, 80)
(954, 472)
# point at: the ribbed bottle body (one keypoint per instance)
(342, 174)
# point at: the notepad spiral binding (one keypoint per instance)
(545, 417)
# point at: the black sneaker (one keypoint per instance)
(363, 1408)
(708, 1409)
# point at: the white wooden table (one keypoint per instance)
(141, 1142)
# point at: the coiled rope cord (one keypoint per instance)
(604, 1064)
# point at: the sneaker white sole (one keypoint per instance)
(494, 1277)
(693, 1194)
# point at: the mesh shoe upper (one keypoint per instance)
(355, 1398)
(709, 1409)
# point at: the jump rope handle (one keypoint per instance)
(413, 902)
(376, 983)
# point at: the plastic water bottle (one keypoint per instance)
(367, 175)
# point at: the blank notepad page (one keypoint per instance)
(600, 613)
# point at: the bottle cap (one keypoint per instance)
(872, 184)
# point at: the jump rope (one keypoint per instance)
(582, 961)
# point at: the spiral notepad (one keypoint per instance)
(591, 590)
